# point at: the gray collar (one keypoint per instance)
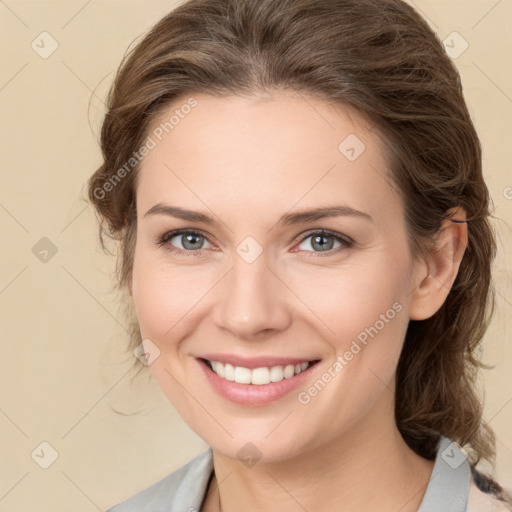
(184, 489)
(448, 488)
(447, 491)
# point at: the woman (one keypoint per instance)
(297, 189)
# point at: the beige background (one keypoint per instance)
(64, 373)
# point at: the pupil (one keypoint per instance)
(323, 246)
(189, 243)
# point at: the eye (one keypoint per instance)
(324, 241)
(184, 240)
(189, 241)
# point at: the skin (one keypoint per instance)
(245, 162)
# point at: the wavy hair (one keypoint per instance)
(381, 58)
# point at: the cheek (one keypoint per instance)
(353, 299)
(154, 301)
(167, 297)
(156, 293)
(361, 314)
(360, 311)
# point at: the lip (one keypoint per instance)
(255, 362)
(250, 394)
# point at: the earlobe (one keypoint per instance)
(440, 267)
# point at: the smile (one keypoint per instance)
(257, 376)
(256, 381)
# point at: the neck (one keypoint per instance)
(369, 467)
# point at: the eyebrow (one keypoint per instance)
(321, 213)
(288, 219)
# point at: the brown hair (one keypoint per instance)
(381, 58)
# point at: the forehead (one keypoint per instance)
(263, 152)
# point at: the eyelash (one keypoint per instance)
(346, 242)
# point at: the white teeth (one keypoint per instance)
(229, 371)
(219, 370)
(242, 375)
(289, 371)
(276, 373)
(260, 376)
(257, 376)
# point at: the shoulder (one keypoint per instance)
(481, 501)
(183, 489)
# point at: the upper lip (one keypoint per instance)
(256, 362)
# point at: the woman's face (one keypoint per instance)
(256, 285)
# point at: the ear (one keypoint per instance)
(436, 273)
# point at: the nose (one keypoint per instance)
(251, 302)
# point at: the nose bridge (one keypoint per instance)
(251, 299)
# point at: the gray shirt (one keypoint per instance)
(184, 489)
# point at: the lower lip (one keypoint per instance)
(252, 394)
